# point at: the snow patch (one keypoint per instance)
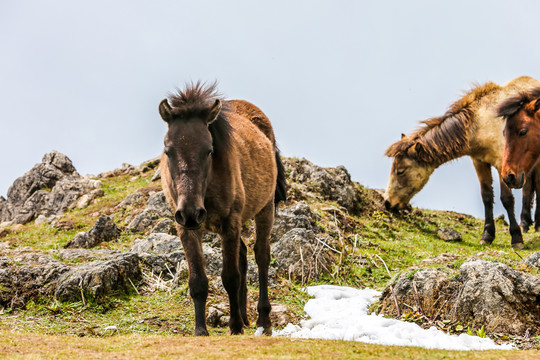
(341, 313)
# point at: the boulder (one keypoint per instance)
(99, 278)
(160, 253)
(331, 183)
(103, 230)
(48, 189)
(483, 293)
(165, 226)
(533, 260)
(302, 255)
(296, 216)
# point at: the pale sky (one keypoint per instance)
(340, 80)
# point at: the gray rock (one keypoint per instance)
(48, 189)
(157, 175)
(297, 216)
(165, 226)
(302, 255)
(85, 254)
(99, 278)
(161, 253)
(143, 221)
(533, 260)
(134, 198)
(332, 183)
(484, 293)
(449, 234)
(158, 203)
(158, 243)
(103, 230)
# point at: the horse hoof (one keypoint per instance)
(201, 332)
(487, 239)
(524, 229)
(267, 331)
(237, 332)
(518, 245)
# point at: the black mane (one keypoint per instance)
(196, 101)
(512, 105)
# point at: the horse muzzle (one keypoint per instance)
(190, 218)
(513, 181)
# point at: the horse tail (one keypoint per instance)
(281, 184)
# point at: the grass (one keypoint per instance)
(374, 247)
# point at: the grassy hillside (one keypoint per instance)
(370, 248)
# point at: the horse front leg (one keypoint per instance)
(483, 171)
(527, 199)
(197, 280)
(508, 202)
(536, 189)
(230, 275)
(264, 222)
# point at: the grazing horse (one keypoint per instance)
(471, 128)
(221, 167)
(522, 135)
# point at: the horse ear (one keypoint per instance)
(214, 112)
(414, 150)
(403, 136)
(537, 105)
(165, 110)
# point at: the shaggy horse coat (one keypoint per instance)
(220, 168)
(470, 127)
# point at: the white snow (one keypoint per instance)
(341, 313)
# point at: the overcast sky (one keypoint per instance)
(340, 80)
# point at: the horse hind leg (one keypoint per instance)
(508, 202)
(527, 199)
(243, 282)
(264, 221)
(536, 189)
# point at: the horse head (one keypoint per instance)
(189, 149)
(522, 136)
(408, 175)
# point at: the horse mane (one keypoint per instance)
(196, 101)
(512, 105)
(443, 138)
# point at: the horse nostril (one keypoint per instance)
(179, 217)
(200, 216)
(510, 179)
(387, 204)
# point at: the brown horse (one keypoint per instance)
(470, 127)
(220, 168)
(522, 135)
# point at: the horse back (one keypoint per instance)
(255, 115)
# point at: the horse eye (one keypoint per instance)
(400, 172)
(210, 152)
(523, 132)
(167, 151)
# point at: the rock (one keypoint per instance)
(134, 198)
(157, 243)
(280, 315)
(165, 226)
(103, 230)
(157, 175)
(533, 260)
(161, 253)
(217, 318)
(484, 293)
(48, 189)
(158, 203)
(27, 277)
(449, 234)
(298, 215)
(99, 278)
(143, 221)
(85, 254)
(302, 255)
(332, 183)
